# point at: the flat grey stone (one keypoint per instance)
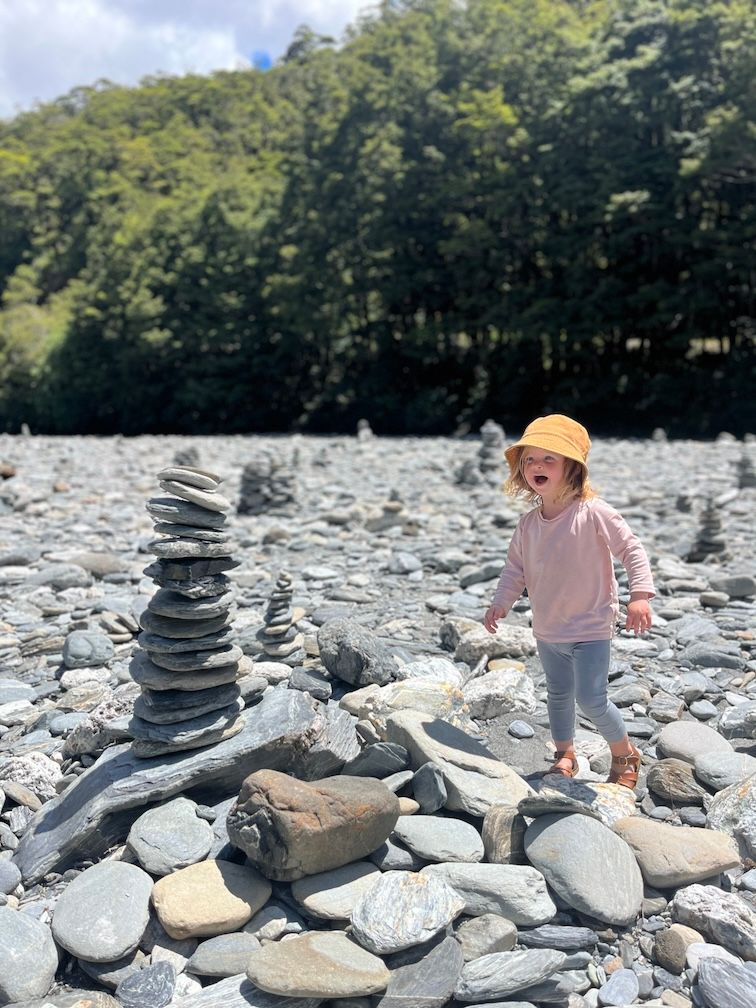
(187, 730)
(428, 788)
(436, 838)
(87, 648)
(517, 892)
(111, 974)
(169, 837)
(167, 626)
(192, 532)
(173, 548)
(151, 676)
(423, 977)
(289, 731)
(721, 770)
(191, 476)
(721, 917)
(688, 740)
(402, 909)
(323, 964)
(620, 989)
(725, 984)
(223, 956)
(197, 661)
(485, 934)
(211, 500)
(503, 973)
(378, 760)
(28, 957)
(101, 914)
(184, 512)
(587, 865)
(155, 643)
(166, 602)
(331, 895)
(239, 992)
(149, 707)
(560, 937)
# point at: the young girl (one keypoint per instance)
(561, 551)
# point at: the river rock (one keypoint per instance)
(437, 838)
(687, 740)
(102, 913)
(587, 865)
(517, 892)
(722, 917)
(423, 976)
(170, 837)
(674, 856)
(726, 985)
(331, 895)
(289, 829)
(402, 909)
(28, 957)
(319, 964)
(353, 654)
(733, 811)
(720, 770)
(209, 898)
(223, 956)
(502, 974)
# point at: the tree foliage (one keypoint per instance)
(469, 209)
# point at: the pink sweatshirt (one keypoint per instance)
(566, 565)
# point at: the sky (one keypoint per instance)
(48, 47)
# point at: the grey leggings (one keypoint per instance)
(579, 672)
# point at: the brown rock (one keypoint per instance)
(674, 856)
(289, 828)
(209, 898)
(672, 944)
(504, 835)
(673, 780)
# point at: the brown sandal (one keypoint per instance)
(625, 769)
(565, 764)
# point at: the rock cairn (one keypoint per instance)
(364, 430)
(710, 540)
(279, 637)
(188, 665)
(746, 472)
(188, 456)
(267, 485)
(491, 453)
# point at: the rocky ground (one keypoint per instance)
(378, 830)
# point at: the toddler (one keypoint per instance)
(561, 551)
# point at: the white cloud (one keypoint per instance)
(48, 47)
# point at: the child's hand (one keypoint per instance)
(493, 615)
(639, 617)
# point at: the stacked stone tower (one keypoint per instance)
(267, 485)
(188, 663)
(746, 472)
(279, 636)
(710, 540)
(491, 454)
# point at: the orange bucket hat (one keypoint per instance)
(555, 433)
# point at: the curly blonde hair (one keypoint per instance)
(577, 486)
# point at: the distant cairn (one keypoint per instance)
(488, 465)
(710, 541)
(746, 472)
(364, 430)
(188, 663)
(187, 457)
(267, 485)
(279, 637)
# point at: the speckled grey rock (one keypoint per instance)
(733, 811)
(503, 973)
(721, 917)
(720, 770)
(85, 648)
(424, 976)
(28, 957)
(170, 836)
(353, 654)
(223, 956)
(402, 909)
(726, 985)
(620, 989)
(102, 913)
(687, 740)
(151, 987)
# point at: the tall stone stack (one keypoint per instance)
(267, 485)
(188, 663)
(364, 430)
(746, 472)
(710, 540)
(491, 453)
(279, 636)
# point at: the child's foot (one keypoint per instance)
(565, 764)
(625, 769)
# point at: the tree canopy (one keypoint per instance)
(490, 208)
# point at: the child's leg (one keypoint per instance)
(592, 680)
(560, 686)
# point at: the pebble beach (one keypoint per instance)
(339, 796)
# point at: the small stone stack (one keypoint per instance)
(491, 454)
(186, 457)
(746, 472)
(468, 474)
(267, 485)
(188, 666)
(364, 430)
(710, 540)
(279, 637)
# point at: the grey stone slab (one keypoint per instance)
(172, 509)
(424, 977)
(289, 732)
(239, 992)
(726, 985)
(503, 973)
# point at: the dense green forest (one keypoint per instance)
(489, 208)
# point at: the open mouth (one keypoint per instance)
(540, 480)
